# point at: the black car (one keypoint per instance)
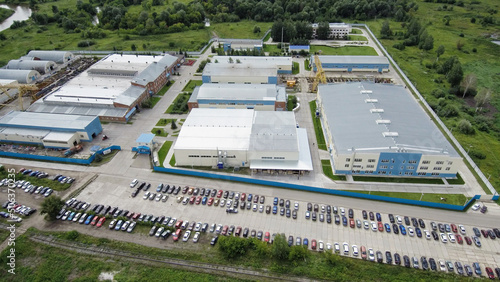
(459, 267)
(196, 191)
(113, 210)
(476, 232)
(245, 232)
(379, 217)
(365, 214)
(380, 258)
(397, 259)
(243, 205)
(314, 216)
(388, 257)
(497, 232)
(414, 221)
(290, 241)
(441, 227)
(328, 209)
(134, 194)
(328, 218)
(294, 214)
(434, 225)
(142, 185)
(309, 207)
(337, 219)
(282, 212)
(316, 207)
(213, 193)
(202, 191)
(406, 261)
(344, 220)
(395, 228)
(407, 220)
(207, 192)
(226, 193)
(282, 202)
(425, 264)
(421, 223)
(491, 234)
(391, 218)
(351, 213)
(288, 213)
(433, 264)
(214, 240)
(435, 235)
(372, 216)
(287, 204)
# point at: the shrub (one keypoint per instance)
(86, 43)
(465, 127)
(438, 93)
(448, 111)
(477, 154)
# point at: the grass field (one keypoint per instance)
(172, 161)
(327, 170)
(154, 101)
(397, 180)
(357, 38)
(191, 85)
(177, 107)
(165, 88)
(482, 63)
(242, 29)
(162, 131)
(317, 127)
(348, 50)
(162, 153)
(271, 48)
(452, 199)
(295, 68)
(458, 181)
(5, 13)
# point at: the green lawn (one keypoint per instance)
(164, 121)
(452, 199)
(165, 88)
(317, 127)
(154, 101)
(162, 131)
(291, 103)
(327, 170)
(162, 153)
(179, 105)
(357, 38)
(397, 179)
(348, 50)
(306, 65)
(356, 31)
(295, 68)
(271, 48)
(172, 161)
(191, 85)
(242, 29)
(458, 181)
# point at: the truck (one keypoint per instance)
(73, 150)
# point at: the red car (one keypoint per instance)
(380, 226)
(176, 235)
(468, 240)
(238, 231)
(454, 228)
(101, 221)
(459, 239)
(313, 244)
(94, 220)
(219, 193)
(191, 200)
(485, 233)
(224, 230)
(178, 224)
(136, 215)
(198, 200)
(490, 273)
(243, 196)
(210, 201)
(351, 222)
(266, 237)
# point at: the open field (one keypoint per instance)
(484, 63)
(242, 29)
(348, 50)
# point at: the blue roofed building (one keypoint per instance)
(145, 143)
(298, 48)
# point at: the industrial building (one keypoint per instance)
(112, 88)
(337, 30)
(240, 44)
(352, 63)
(295, 49)
(283, 65)
(27, 64)
(264, 141)
(49, 130)
(21, 76)
(261, 97)
(59, 57)
(239, 73)
(380, 129)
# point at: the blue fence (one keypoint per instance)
(315, 189)
(58, 159)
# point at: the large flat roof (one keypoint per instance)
(327, 59)
(274, 131)
(372, 117)
(85, 110)
(44, 120)
(262, 61)
(239, 70)
(211, 91)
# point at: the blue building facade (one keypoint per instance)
(352, 63)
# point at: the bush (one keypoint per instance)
(438, 93)
(448, 111)
(232, 247)
(71, 235)
(477, 154)
(465, 127)
(86, 43)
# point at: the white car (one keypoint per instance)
(366, 224)
(355, 250)
(371, 254)
(346, 248)
(196, 237)
(125, 225)
(261, 208)
(222, 203)
(462, 229)
(131, 226)
(321, 246)
(164, 198)
(374, 226)
(452, 237)
(159, 231)
(146, 195)
(158, 197)
(179, 199)
(296, 207)
(133, 183)
(186, 236)
(476, 207)
(427, 234)
(77, 216)
(342, 211)
(443, 238)
(442, 265)
(399, 219)
(254, 208)
(185, 201)
(328, 246)
(337, 247)
(411, 232)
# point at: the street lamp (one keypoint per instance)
(468, 149)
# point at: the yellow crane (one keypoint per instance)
(21, 90)
(320, 74)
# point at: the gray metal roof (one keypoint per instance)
(355, 125)
(50, 55)
(40, 107)
(241, 41)
(40, 66)
(155, 69)
(22, 76)
(238, 70)
(264, 92)
(352, 59)
(274, 131)
(129, 96)
(44, 120)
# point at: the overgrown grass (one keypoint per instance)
(295, 68)
(4, 234)
(317, 127)
(161, 131)
(191, 85)
(165, 88)
(179, 105)
(347, 50)
(241, 29)
(397, 180)
(162, 153)
(327, 170)
(5, 13)
(46, 182)
(458, 181)
(452, 199)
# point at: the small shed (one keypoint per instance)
(144, 143)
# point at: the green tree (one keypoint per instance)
(256, 29)
(469, 83)
(439, 51)
(455, 74)
(173, 125)
(323, 30)
(386, 31)
(280, 249)
(232, 247)
(51, 207)
(465, 127)
(298, 253)
(482, 98)
(427, 42)
(133, 47)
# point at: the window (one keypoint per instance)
(356, 166)
(410, 167)
(279, 158)
(450, 163)
(426, 162)
(267, 158)
(448, 168)
(347, 159)
(439, 162)
(422, 173)
(437, 168)
(383, 167)
(358, 160)
(231, 157)
(193, 156)
(434, 173)
(412, 162)
(384, 161)
(424, 167)
(346, 165)
(404, 161)
(371, 160)
(370, 166)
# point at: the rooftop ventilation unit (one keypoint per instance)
(383, 121)
(366, 92)
(371, 100)
(376, 111)
(390, 134)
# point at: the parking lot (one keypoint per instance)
(109, 190)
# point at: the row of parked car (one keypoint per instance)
(41, 174)
(17, 209)
(27, 187)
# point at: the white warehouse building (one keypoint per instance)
(261, 140)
